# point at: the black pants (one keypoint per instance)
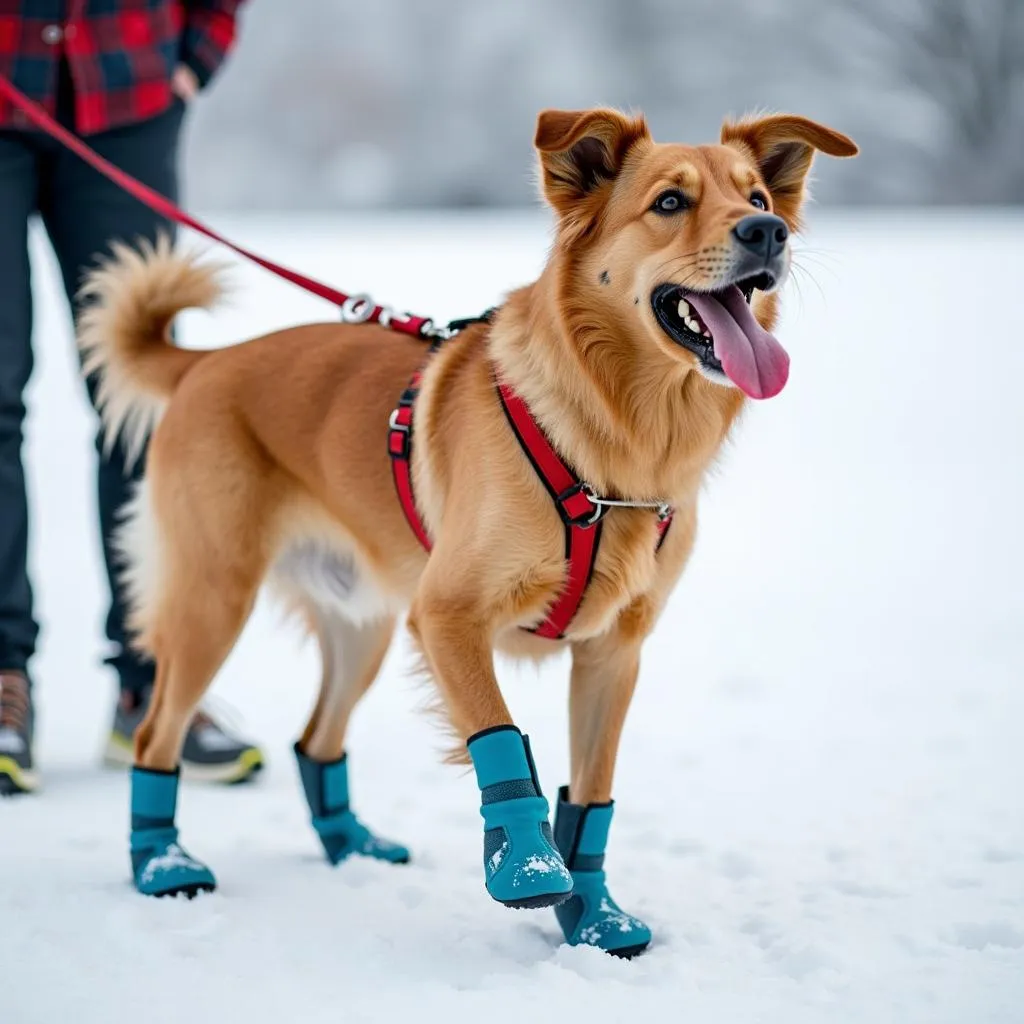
(82, 212)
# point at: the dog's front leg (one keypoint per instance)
(522, 865)
(604, 675)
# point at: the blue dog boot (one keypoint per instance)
(592, 917)
(522, 866)
(160, 866)
(341, 832)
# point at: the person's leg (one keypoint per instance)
(84, 213)
(17, 200)
(17, 627)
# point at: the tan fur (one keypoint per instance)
(275, 449)
(128, 302)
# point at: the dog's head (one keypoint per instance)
(680, 237)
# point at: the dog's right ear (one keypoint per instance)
(581, 152)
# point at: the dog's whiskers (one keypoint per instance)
(693, 257)
(797, 272)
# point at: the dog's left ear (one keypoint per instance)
(783, 146)
(581, 152)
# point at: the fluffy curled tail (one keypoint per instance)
(130, 302)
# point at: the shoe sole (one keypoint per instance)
(548, 899)
(190, 891)
(121, 754)
(628, 952)
(15, 780)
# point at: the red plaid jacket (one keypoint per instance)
(120, 53)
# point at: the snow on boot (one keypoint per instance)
(522, 867)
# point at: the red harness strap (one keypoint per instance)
(400, 450)
(579, 513)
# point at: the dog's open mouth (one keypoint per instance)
(719, 328)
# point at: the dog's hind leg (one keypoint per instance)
(352, 655)
(205, 552)
(604, 675)
(194, 637)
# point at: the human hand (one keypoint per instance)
(184, 83)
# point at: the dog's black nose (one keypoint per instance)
(763, 234)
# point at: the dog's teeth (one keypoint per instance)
(684, 309)
(693, 325)
(707, 334)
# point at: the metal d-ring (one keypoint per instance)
(357, 309)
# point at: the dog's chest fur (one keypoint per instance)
(629, 568)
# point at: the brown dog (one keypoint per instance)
(632, 352)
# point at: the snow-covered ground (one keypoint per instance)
(820, 801)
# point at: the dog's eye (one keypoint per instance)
(758, 199)
(671, 201)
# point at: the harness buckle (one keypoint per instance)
(577, 507)
(399, 436)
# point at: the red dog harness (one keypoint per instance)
(580, 510)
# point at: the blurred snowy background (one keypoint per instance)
(398, 103)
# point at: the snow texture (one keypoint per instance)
(538, 864)
(819, 792)
(171, 859)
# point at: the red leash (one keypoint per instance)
(354, 308)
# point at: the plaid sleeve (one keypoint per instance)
(209, 34)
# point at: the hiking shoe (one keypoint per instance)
(210, 752)
(17, 722)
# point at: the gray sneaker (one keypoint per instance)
(210, 752)
(17, 725)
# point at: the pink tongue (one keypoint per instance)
(753, 360)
